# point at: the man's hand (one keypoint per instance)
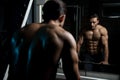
(104, 62)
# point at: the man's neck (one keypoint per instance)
(54, 22)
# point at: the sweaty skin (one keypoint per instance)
(39, 56)
(95, 40)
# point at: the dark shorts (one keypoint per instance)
(86, 56)
(90, 61)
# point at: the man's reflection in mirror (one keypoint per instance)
(92, 44)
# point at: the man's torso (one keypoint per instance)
(92, 41)
(37, 52)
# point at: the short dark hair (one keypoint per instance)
(94, 16)
(52, 9)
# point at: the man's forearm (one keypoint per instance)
(106, 55)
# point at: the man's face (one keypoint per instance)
(94, 22)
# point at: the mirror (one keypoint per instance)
(111, 24)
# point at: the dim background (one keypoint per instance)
(12, 13)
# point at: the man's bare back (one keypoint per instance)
(45, 45)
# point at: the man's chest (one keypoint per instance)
(92, 34)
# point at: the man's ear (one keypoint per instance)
(61, 18)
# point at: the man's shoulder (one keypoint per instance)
(64, 34)
(103, 29)
(31, 26)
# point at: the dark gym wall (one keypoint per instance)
(14, 14)
(11, 16)
(1, 16)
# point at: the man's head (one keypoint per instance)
(94, 20)
(54, 10)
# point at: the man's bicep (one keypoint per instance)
(70, 54)
(79, 43)
(104, 36)
(104, 40)
(70, 65)
(70, 60)
(80, 39)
